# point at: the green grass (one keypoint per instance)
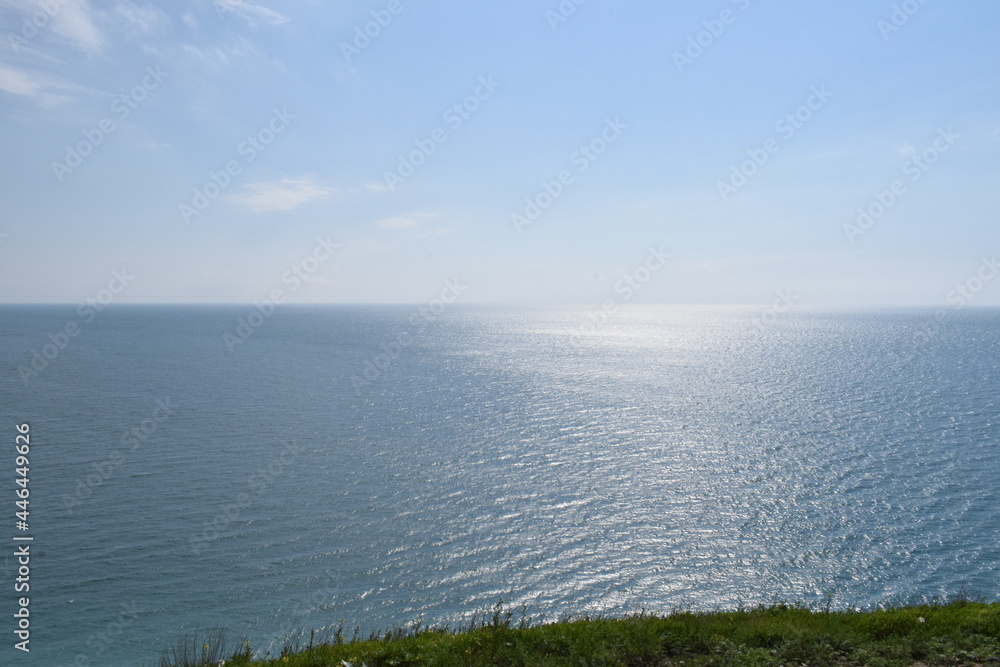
(957, 633)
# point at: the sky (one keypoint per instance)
(828, 154)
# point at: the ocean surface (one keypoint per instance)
(387, 464)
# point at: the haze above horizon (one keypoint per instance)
(534, 152)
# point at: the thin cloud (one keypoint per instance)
(74, 22)
(283, 195)
(221, 57)
(249, 12)
(143, 20)
(213, 57)
(70, 22)
(42, 88)
(21, 82)
(147, 143)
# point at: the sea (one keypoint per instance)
(264, 473)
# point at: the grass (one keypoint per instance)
(961, 632)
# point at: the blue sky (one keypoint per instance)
(116, 114)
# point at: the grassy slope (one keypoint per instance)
(959, 633)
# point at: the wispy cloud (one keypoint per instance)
(36, 27)
(43, 88)
(74, 21)
(219, 57)
(20, 82)
(282, 195)
(249, 12)
(147, 143)
(143, 20)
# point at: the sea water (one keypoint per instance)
(200, 467)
